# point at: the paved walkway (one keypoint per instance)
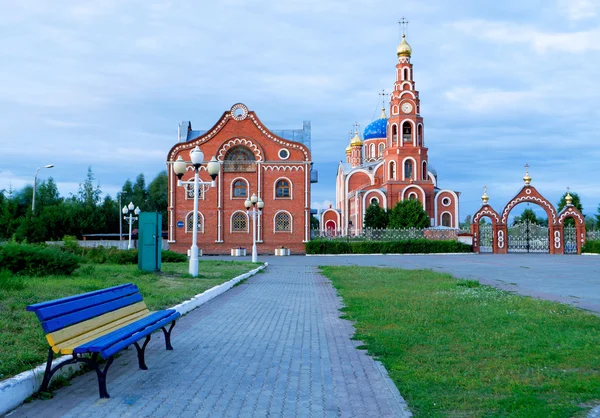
(274, 346)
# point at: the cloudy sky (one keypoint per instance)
(103, 83)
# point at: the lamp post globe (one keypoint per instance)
(197, 157)
(128, 211)
(179, 167)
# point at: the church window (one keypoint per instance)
(407, 132)
(446, 201)
(446, 219)
(189, 223)
(394, 133)
(239, 158)
(392, 170)
(424, 173)
(412, 196)
(372, 151)
(283, 189)
(240, 189)
(283, 222)
(381, 148)
(408, 170)
(374, 201)
(189, 192)
(419, 135)
(406, 74)
(239, 222)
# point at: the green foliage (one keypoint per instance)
(591, 246)
(528, 215)
(408, 214)
(411, 246)
(376, 216)
(34, 260)
(597, 216)
(466, 224)
(168, 256)
(314, 222)
(9, 281)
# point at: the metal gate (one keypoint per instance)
(528, 237)
(570, 236)
(486, 236)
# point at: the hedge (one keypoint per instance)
(410, 246)
(591, 246)
(36, 260)
(112, 255)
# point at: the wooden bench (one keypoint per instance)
(100, 323)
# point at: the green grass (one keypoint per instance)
(22, 342)
(455, 348)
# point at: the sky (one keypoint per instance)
(103, 83)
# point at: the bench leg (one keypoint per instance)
(140, 353)
(47, 372)
(102, 376)
(168, 335)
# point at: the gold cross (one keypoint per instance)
(403, 25)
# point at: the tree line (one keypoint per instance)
(85, 212)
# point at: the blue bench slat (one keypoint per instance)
(84, 314)
(37, 306)
(113, 349)
(68, 307)
(114, 337)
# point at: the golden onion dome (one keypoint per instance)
(527, 178)
(404, 49)
(569, 199)
(348, 149)
(485, 198)
(356, 141)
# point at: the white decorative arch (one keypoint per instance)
(424, 170)
(414, 131)
(395, 172)
(442, 218)
(432, 178)
(380, 149)
(395, 110)
(231, 221)
(405, 83)
(248, 194)
(337, 222)
(407, 92)
(372, 151)
(356, 171)
(422, 134)
(201, 219)
(402, 195)
(438, 195)
(415, 168)
(239, 141)
(291, 222)
(371, 192)
(275, 188)
(283, 167)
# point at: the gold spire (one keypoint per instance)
(356, 141)
(568, 197)
(383, 115)
(485, 198)
(404, 49)
(527, 178)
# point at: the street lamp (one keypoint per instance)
(128, 211)
(35, 186)
(179, 168)
(120, 218)
(254, 202)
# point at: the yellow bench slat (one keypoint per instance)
(67, 347)
(73, 331)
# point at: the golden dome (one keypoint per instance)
(485, 198)
(348, 149)
(569, 199)
(527, 178)
(404, 49)
(356, 141)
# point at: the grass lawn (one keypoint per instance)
(22, 341)
(458, 349)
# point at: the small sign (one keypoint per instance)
(179, 224)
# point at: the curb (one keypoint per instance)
(345, 255)
(15, 390)
(589, 254)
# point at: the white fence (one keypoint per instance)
(384, 234)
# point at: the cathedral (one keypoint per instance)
(389, 163)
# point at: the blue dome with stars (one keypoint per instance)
(376, 129)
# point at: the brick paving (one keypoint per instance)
(272, 347)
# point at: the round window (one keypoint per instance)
(284, 154)
(446, 201)
(375, 201)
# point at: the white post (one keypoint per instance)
(34, 187)
(120, 223)
(194, 249)
(254, 254)
(130, 222)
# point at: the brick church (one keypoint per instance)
(389, 163)
(274, 165)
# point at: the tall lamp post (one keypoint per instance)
(121, 218)
(128, 211)
(179, 168)
(254, 202)
(35, 185)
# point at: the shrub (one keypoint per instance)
(410, 246)
(34, 260)
(168, 256)
(591, 246)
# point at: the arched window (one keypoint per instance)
(239, 189)
(283, 189)
(420, 135)
(394, 133)
(372, 151)
(412, 196)
(381, 148)
(375, 201)
(239, 222)
(189, 223)
(408, 170)
(283, 222)
(392, 170)
(407, 132)
(189, 192)
(446, 219)
(406, 74)
(239, 158)
(424, 173)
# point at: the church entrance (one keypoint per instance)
(528, 237)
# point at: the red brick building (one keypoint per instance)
(390, 163)
(252, 160)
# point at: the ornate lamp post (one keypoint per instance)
(35, 186)
(128, 211)
(254, 202)
(120, 218)
(179, 168)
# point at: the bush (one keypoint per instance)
(169, 256)
(591, 246)
(35, 260)
(410, 246)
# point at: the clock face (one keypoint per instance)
(407, 107)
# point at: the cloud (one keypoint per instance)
(579, 9)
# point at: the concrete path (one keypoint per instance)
(274, 346)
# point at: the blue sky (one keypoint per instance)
(103, 83)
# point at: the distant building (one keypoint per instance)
(390, 163)
(276, 165)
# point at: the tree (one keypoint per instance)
(314, 222)
(89, 195)
(598, 216)
(563, 203)
(528, 215)
(158, 196)
(408, 214)
(376, 216)
(466, 224)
